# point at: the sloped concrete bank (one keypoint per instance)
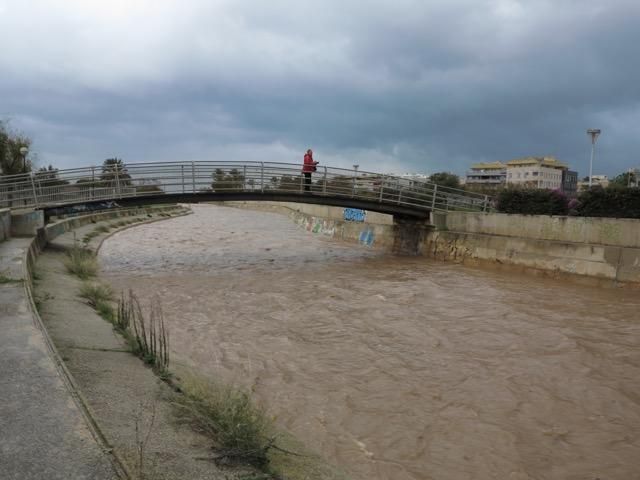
(603, 251)
(370, 229)
(47, 429)
(600, 251)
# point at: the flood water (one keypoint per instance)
(397, 368)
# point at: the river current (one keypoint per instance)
(397, 367)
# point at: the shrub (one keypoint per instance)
(532, 202)
(242, 430)
(616, 202)
(95, 293)
(81, 262)
(99, 297)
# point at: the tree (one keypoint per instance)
(287, 183)
(114, 169)
(49, 177)
(234, 180)
(626, 179)
(445, 179)
(11, 160)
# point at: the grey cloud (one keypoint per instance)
(408, 84)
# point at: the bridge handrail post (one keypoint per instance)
(244, 177)
(262, 177)
(93, 183)
(485, 203)
(33, 189)
(433, 199)
(324, 181)
(182, 175)
(381, 190)
(193, 177)
(117, 182)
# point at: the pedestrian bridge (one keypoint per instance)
(207, 181)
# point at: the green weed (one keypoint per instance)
(81, 262)
(241, 430)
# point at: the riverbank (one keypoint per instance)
(127, 400)
(47, 431)
(591, 251)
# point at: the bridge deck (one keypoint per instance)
(209, 181)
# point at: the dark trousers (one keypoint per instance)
(307, 181)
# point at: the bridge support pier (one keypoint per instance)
(409, 234)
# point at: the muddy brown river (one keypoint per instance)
(391, 367)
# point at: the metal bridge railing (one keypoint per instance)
(96, 183)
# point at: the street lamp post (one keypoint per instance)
(593, 133)
(23, 151)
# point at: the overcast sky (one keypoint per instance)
(393, 85)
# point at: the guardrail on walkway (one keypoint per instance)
(45, 189)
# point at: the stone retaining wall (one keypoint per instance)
(606, 250)
(621, 232)
(377, 229)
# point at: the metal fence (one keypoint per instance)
(113, 182)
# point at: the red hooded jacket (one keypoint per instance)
(309, 165)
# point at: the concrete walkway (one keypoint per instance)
(44, 433)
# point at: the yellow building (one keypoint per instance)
(536, 172)
(487, 175)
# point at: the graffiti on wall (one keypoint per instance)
(367, 237)
(317, 225)
(354, 215)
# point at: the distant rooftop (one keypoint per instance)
(544, 161)
(489, 166)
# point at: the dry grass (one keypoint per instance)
(81, 262)
(241, 430)
(100, 298)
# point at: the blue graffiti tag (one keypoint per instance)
(354, 215)
(367, 237)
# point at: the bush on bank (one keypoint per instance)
(532, 202)
(616, 202)
(612, 202)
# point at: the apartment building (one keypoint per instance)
(536, 172)
(487, 175)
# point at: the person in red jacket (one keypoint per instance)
(308, 167)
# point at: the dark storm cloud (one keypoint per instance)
(410, 85)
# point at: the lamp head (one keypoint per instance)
(594, 133)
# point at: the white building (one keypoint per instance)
(536, 172)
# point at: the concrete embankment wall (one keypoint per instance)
(373, 229)
(60, 226)
(5, 223)
(596, 250)
(601, 249)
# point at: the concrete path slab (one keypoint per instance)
(44, 433)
